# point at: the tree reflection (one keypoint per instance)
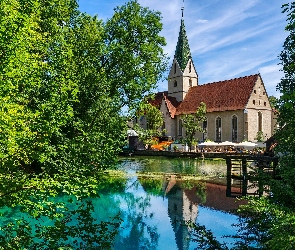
(137, 233)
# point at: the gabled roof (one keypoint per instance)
(219, 96)
(170, 102)
(182, 52)
(157, 100)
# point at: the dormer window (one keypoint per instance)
(175, 83)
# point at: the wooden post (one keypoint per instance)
(245, 177)
(228, 176)
(260, 177)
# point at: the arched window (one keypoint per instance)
(259, 121)
(180, 127)
(175, 83)
(218, 129)
(205, 129)
(234, 125)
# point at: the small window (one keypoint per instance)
(259, 102)
(175, 84)
(190, 67)
(180, 128)
(190, 82)
(218, 129)
(263, 93)
(259, 121)
(254, 91)
(254, 102)
(234, 128)
(174, 68)
(264, 103)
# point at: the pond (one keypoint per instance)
(155, 209)
(157, 199)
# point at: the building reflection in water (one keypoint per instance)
(183, 205)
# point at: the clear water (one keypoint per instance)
(158, 214)
(154, 209)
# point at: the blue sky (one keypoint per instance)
(227, 38)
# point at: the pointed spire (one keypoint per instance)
(182, 52)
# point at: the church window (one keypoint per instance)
(254, 102)
(174, 68)
(259, 121)
(264, 103)
(234, 129)
(180, 127)
(254, 91)
(175, 83)
(259, 102)
(190, 82)
(218, 129)
(263, 93)
(205, 129)
(190, 67)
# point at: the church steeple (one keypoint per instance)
(182, 75)
(182, 52)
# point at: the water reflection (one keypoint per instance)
(172, 200)
(153, 209)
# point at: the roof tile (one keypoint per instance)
(219, 96)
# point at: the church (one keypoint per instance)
(237, 109)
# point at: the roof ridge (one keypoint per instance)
(226, 80)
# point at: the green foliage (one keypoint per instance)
(266, 225)
(260, 136)
(135, 61)
(154, 122)
(205, 238)
(191, 122)
(64, 78)
(273, 101)
(284, 190)
(152, 186)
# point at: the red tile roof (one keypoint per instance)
(171, 104)
(219, 96)
(157, 100)
(170, 101)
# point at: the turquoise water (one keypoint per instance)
(154, 210)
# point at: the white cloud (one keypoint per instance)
(227, 38)
(201, 21)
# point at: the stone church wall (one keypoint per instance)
(253, 123)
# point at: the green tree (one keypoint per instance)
(136, 61)
(192, 124)
(273, 101)
(285, 189)
(65, 77)
(154, 123)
